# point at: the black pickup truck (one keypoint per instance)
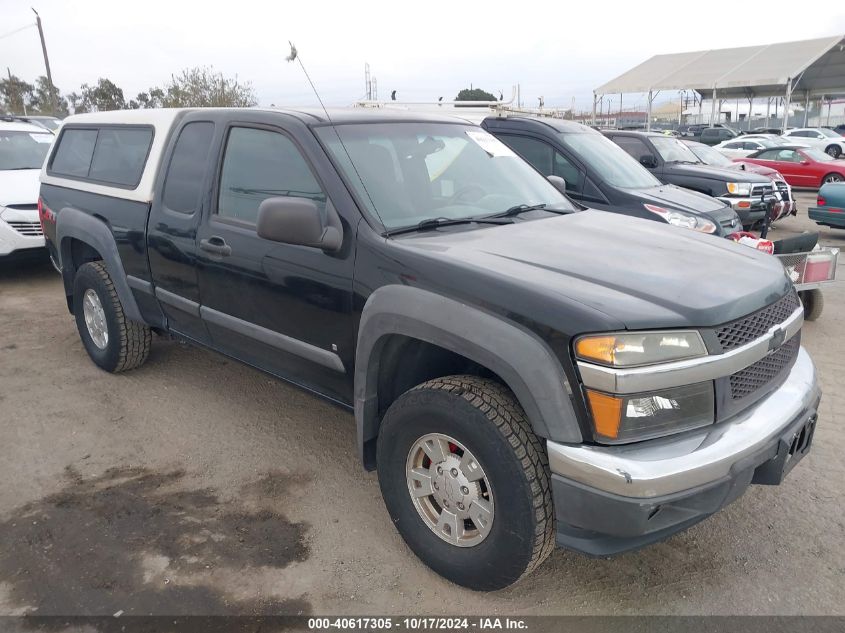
(522, 372)
(672, 162)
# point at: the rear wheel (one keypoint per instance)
(834, 150)
(832, 178)
(466, 481)
(112, 341)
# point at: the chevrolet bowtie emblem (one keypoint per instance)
(777, 339)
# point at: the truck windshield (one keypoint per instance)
(710, 156)
(672, 150)
(23, 150)
(609, 161)
(406, 173)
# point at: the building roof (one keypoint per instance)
(816, 67)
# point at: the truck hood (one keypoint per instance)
(640, 274)
(19, 186)
(682, 199)
(716, 173)
(751, 168)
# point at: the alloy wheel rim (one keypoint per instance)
(833, 178)
(95, 319)
(450, 490)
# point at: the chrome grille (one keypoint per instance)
(30, 229)
(755, 325)
(762, 190)
(756, 376)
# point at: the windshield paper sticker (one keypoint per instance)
(42, 138)
(490, 143)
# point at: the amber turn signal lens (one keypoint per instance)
(600, 348)
(607, 411)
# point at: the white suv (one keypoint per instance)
(820, 137)
(23, 147)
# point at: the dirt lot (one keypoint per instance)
(196, 485)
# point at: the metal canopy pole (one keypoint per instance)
(786, 101)
(806, 106)
(750, 110)
(713, 107)
(594, 108)
(768, 109)
(648, 113)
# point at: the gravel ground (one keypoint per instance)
(196, 485)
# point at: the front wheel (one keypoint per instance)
(832, 178)
(466, 481)
(112, 341)
(834, 150)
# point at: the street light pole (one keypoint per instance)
(53, 100)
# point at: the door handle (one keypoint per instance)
(216, 245)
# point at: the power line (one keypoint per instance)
(18, 30)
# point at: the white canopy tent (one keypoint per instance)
(810, 68)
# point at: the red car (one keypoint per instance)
(800, 166)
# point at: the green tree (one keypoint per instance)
(204, 87)
(15, 95)
(104, 96)
(43, 99)
(153, 98)
(474, 94)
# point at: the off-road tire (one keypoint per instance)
(484, 416)
(128, 341)
(813, 301)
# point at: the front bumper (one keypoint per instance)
(749, 209)
(13, 240)
(610, 499)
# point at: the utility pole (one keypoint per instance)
(53, 100)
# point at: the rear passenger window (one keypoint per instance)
(260, 164)
(73, 155)
(119, 155)
(538, 153)
(185, 174)
(634, 146)
(113, 155)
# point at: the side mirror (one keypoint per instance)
(558, 182)
(296, 221)
(648, 160)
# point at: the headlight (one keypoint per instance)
(633, 349)
(642, 416)
(739, 188)
(685, 220)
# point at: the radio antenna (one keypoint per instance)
(294, 55)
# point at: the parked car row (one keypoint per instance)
(523, 371)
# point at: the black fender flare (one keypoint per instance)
(517, 355)
(74, 224)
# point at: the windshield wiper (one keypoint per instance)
(434, 223)
(523, 208)
(19, 168)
